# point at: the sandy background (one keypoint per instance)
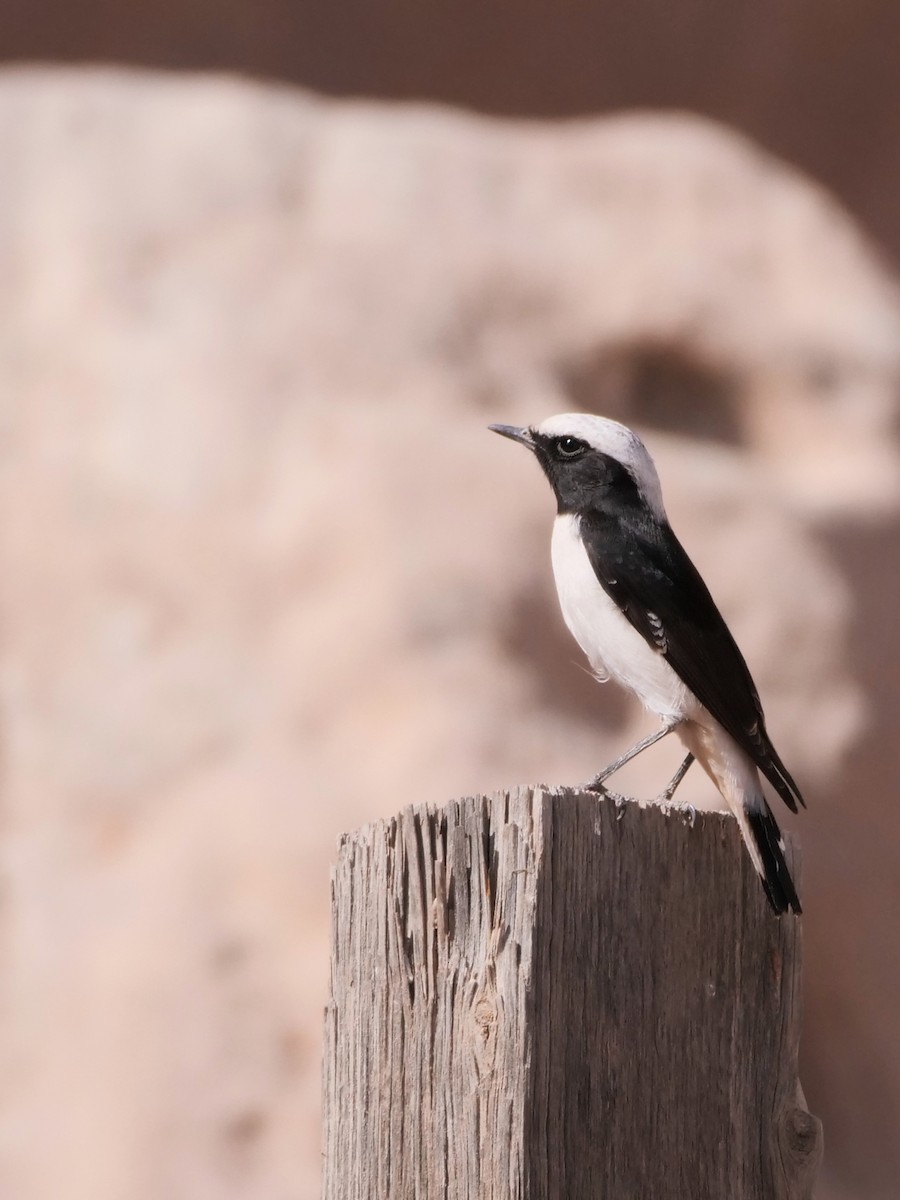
(265, 575)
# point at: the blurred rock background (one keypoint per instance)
(265, 575)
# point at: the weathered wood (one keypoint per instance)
(543, 996)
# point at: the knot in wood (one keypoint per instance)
(801, 1144)
(803, 1130)
(485, 1015)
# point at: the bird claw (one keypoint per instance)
(595, 785)
(687, 811)
(599, 790)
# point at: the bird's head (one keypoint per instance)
(591, 462)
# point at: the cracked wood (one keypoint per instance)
(539, 995)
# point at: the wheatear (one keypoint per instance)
(639, 610)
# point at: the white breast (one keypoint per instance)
(613, 647)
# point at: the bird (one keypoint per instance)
(643, 616)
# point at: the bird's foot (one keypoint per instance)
(687, 812)
(597, 786)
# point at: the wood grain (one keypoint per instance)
(544, 996)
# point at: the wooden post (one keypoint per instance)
(541, 995)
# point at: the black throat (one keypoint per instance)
(594, 483)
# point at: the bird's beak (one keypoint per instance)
(514, 432)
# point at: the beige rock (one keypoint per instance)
(265, 575)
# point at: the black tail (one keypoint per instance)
(776, 879)
(779, 777)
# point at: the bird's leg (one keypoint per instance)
(596, 784)
(690, 813)
(672, 787)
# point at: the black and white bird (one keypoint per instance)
(640, 611)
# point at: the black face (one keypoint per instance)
(584, 478)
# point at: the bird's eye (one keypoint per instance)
(570, 447)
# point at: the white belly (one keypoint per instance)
(613, 647)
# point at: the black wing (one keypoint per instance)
(644, 569)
